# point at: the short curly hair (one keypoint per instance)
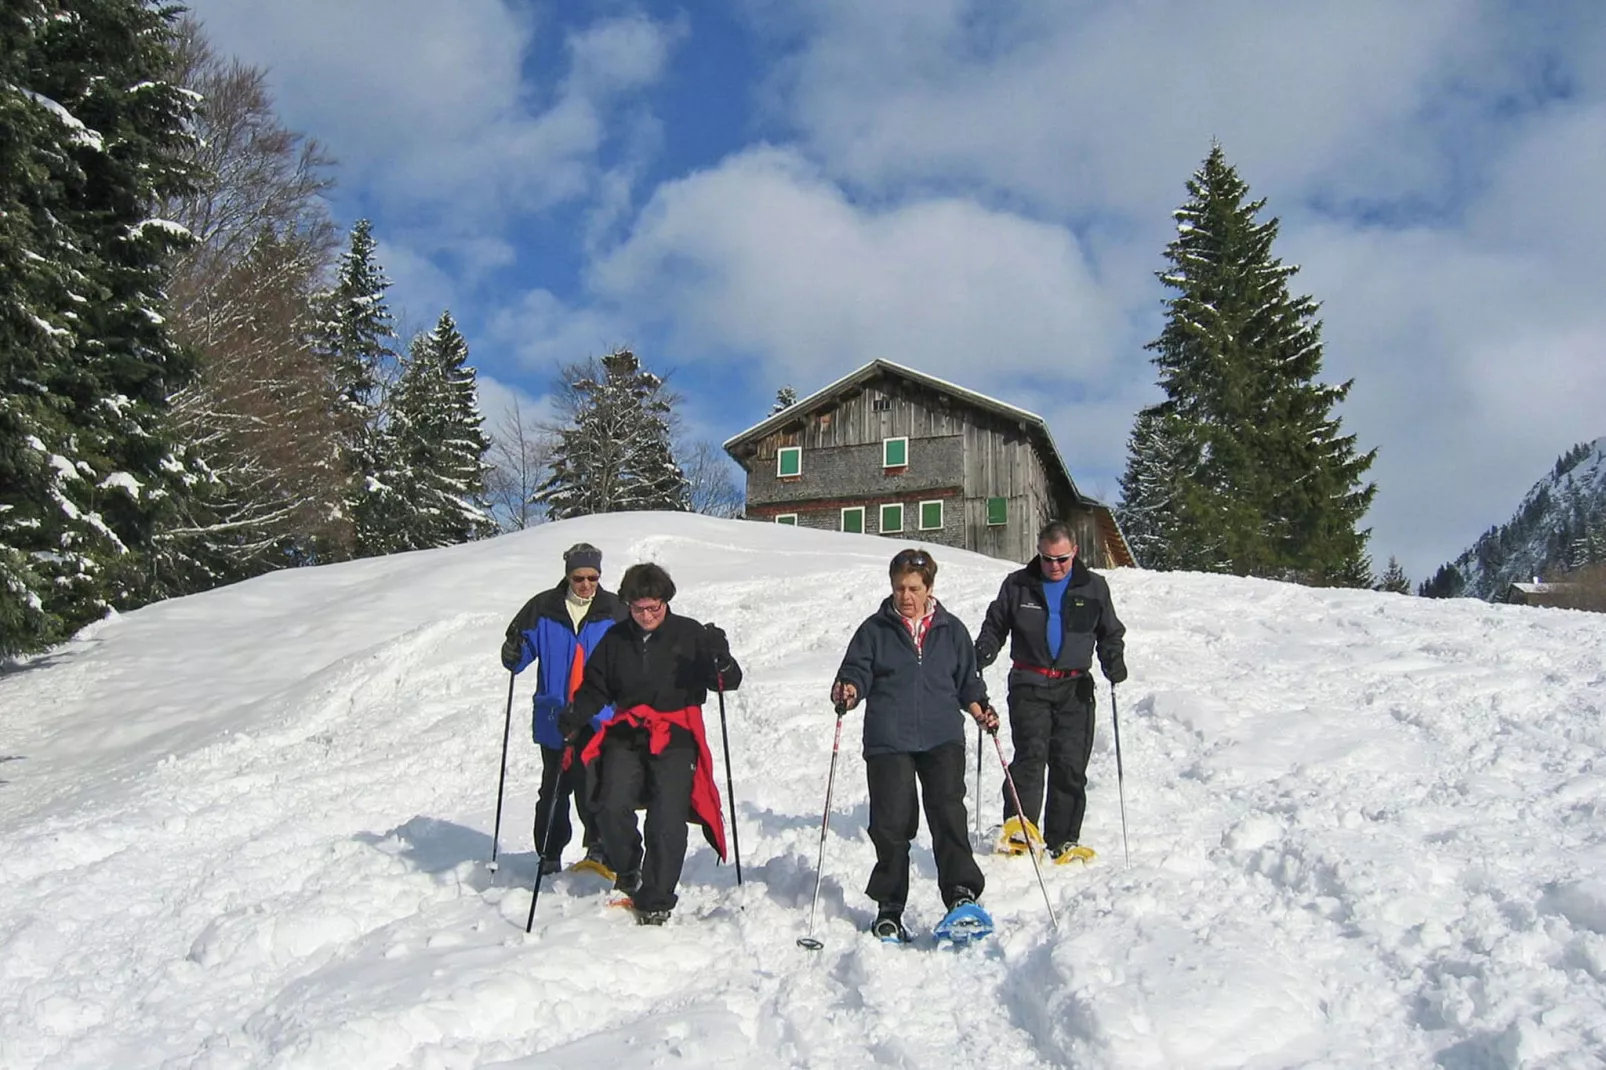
(646, 580)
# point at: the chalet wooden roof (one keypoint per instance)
(1029, 421)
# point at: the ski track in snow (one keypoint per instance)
(248, 829)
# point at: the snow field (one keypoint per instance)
(248, 829)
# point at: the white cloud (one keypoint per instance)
(433, 109)
(1107, 105)
(540, 332)
(498, 400)
(763, 257)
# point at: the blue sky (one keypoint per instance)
(759, 193)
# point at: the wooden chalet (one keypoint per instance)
(892, 451)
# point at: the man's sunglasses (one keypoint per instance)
(915, 558)
(1054, 559)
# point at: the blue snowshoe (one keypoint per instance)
(966, 923)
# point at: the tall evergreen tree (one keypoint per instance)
(356, 338)
(1258, 478)
(614, 454)
(93, 136)
(433, 471)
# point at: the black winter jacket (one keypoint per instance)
(913, 698)
(666, 669)
(1021, 613)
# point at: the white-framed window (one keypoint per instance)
(891, 519)
(787, 518)
(853, 519)
(931, 515)
(789, 461)
(895, 452)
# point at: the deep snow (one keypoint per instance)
(248, 828)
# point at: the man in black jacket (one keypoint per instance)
(1057, 614)
(654, 670)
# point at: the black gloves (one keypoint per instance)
(512, 650)
(718, 647)
(571, 723)
(1115, 670)
(714, 641)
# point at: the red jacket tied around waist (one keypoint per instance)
(705, 804)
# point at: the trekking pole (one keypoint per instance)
(1030, 850)
(730, 782)
(554, 800)
(978, 783)
(809, 942)
(1120, 787)
(501, 781)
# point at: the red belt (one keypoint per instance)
(1052, 674)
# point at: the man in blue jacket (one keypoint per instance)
(557, 630)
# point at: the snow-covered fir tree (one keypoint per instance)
(357, 337)
(430, 487)
(1267, 484)
(93, 136)
(1152, 493)
(615, 453)
(785, 398)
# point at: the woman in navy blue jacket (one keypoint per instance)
(914, 664)
(557, 630)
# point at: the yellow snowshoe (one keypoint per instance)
(1017, 836)
(1067, 854)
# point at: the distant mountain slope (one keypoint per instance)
(1560, 525)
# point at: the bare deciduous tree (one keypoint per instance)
(520, 456)
(260, 418)
(712, 478)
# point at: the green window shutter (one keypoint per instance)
(853, 520)
(891, 519)
(789, 461)
(997, 511)
(894, 452)
(930, 515)
(787, 518)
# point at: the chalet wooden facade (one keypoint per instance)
(892, 451)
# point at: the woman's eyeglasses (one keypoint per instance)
(585, 579)
(647, 609)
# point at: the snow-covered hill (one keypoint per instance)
(248, 829)
(1560, 525)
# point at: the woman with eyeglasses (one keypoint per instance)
(557, 630)
(655, 670)
(913, 664)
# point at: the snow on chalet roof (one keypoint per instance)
(867, 371)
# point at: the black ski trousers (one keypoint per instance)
(895, 818)
(1051, 726)
(633, 776)
(557, 786)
